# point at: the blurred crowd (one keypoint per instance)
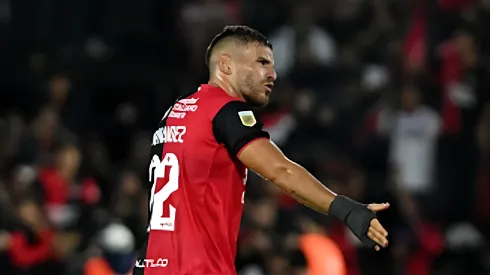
(382, 100)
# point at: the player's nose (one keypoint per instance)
(272, 75)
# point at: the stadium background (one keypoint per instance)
(383, 100)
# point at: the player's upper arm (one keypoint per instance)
(235, 125)
(265, 159)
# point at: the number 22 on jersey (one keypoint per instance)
(165, 176)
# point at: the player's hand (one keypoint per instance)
(361, 219)
(376, 231)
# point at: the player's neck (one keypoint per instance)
(225, 86)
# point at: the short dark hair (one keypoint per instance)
(241, 33)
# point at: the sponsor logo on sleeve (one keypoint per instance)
(247, 118)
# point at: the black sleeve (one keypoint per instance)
(235, 125)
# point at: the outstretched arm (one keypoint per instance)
(264, 158)
(236, 128)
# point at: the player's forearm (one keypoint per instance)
(302, 186)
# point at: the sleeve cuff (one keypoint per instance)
(248, 142)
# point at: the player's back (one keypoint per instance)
(198, 187)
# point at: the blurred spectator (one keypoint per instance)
(117, 245)
(301, 41)
(414, 131)
(36, 253)
(59, 186)
(126, 204)
(201, 20)
(323, 255)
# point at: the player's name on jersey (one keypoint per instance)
(183, 106)
(169, 134)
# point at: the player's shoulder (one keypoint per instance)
(235, 125)
(236, 108)
(215, 97)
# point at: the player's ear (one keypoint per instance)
(224, 64)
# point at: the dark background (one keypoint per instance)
(83, 83)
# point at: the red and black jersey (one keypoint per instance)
(198, 185)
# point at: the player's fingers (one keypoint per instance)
(378, 227)
(376, 207)
(377, 247)
(379, 237)
(374, 238)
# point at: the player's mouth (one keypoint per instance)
(269, 87)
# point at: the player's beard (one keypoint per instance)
(252, 92)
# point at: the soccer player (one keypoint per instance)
(201, 151)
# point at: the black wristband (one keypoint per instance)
(341, 207)
(355, 215)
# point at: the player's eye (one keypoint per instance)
(264, 62)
